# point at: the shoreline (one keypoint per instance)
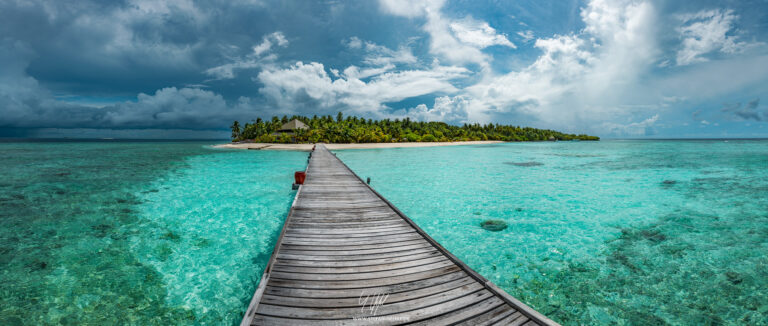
(308, 147)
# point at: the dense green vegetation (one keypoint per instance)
(357, 130)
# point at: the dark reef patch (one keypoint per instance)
(652, 235)
(170, 235)
(101, 230)
(526, 164)
(494, 225)
(576, 155)
(733, 277)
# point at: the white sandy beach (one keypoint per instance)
(308, 147)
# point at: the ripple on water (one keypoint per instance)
(525, 164)
(603, 239)
(85, 240)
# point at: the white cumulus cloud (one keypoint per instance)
(642, 128)
(705, 32)
(378, 55)
(410, 8)
(308, 88)
(526, 35)
(267, 42)
(578, 78)
(455, 41)
(478, 33)
(255, 59)
(447, 109)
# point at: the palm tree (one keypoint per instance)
(354, 129)
(235, 130)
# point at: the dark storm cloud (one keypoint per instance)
(747, 112)
(61, 49)
(198, 64)
(695, 115)
(126, 47)
(95, 48)
(26, 104)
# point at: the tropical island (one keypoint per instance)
(302, 130)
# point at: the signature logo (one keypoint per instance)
(370, 303)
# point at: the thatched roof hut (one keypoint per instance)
(293, 125)
(290, 128)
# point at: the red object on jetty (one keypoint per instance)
(299, 177)
(313, 147)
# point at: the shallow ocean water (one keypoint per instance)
(612, 232)
(136, 233)
(608, 233)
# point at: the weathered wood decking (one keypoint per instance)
(346, 253)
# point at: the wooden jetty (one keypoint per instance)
(347, 256)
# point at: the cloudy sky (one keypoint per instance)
(187, 68)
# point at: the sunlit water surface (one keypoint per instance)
(613, 232)
(111, 233)
(610, 232)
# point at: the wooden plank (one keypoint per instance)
(355, 293)
(441, 308)
(347, 234)
(342, 225)
(380, 241)
(355, 300)
(359, 263)
(337, 247)
(348, 307)
(365, 203)
(495, 320)
(422, 303)
(343, 241)
(422, 244)
(348, 216)
(345, 226)
(361, 257)
(337, 219)
(360, 230)
(348, 212)
(356, 241)
(358, 269)
(342, 247)
(277, 321)
(375, 238)
(360, 284)
(489, 317)
(515, 319)
(464, 313)
(293, 274)
(357, 218)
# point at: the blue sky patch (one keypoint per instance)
(615, 68)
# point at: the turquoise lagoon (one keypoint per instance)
(113, 233)
(610, 232)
